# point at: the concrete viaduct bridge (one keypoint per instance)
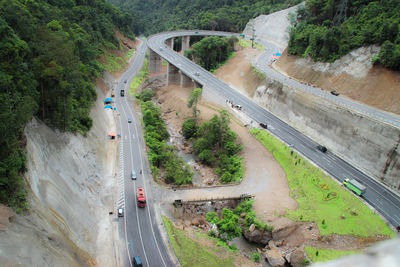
(179, 70)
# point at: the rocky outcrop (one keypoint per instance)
(297, 258)
(275, 257)
(257, 236)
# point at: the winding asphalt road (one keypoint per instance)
(381, 198)
(139, 225)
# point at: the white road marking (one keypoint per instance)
(137, 213)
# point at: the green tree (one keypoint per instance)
(189, 128)
(194, 98)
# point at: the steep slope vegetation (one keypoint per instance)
(222, 15)
(48, 62)
(328, 29)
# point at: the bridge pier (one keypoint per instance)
(173, 75)
(154, 62)
(197, 85)
(170, 43)
(185, 80)
(185, 43)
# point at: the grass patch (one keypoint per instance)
(247, 43)
(259, 75)
(321, 255)
(130, 53)
(139, 79)
(321, 199)
(190, 252)
(114, 64)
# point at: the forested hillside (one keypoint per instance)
(221, 15)
(328, 29)
(48, 63)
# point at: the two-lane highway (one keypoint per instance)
(384, 200)
(138, 226)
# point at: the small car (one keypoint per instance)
(264, 125)
(322, 148)
(125, 81)
(334, 93)
(129, 120)
(196, 32)
(133, 175)
(161, 49)
(121, 212)
(197, 73)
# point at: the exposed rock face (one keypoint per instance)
(283, 232)
(257, 236)
(70, 179)
(275, 257)
(367, 144)
(296, 258)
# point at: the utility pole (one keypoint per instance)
(253, 35)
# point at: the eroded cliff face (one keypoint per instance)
(370, 145)
(71, 180)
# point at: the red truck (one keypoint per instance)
(141, 198)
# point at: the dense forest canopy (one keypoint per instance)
(221, 15)
(48, 62)
(211, 51)
(328, 29)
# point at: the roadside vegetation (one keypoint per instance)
(247, 43)
(322, 255)
(214, 143)
(212, 52)
(320, 199)
(161, 155)
(114, 63)
(231, 223)
(139, 79)
(49, 61)
(191, 252)
(325, 34)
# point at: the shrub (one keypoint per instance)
(189, 128)
(256, 257)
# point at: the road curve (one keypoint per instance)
(382, 199)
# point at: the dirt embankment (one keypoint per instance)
(352, 76)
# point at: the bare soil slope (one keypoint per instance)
(380, 88)
(237, 71)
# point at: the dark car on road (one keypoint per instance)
(136, 261)
(334, 93)
(322, 148)
(264, 125)
(129, 120)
